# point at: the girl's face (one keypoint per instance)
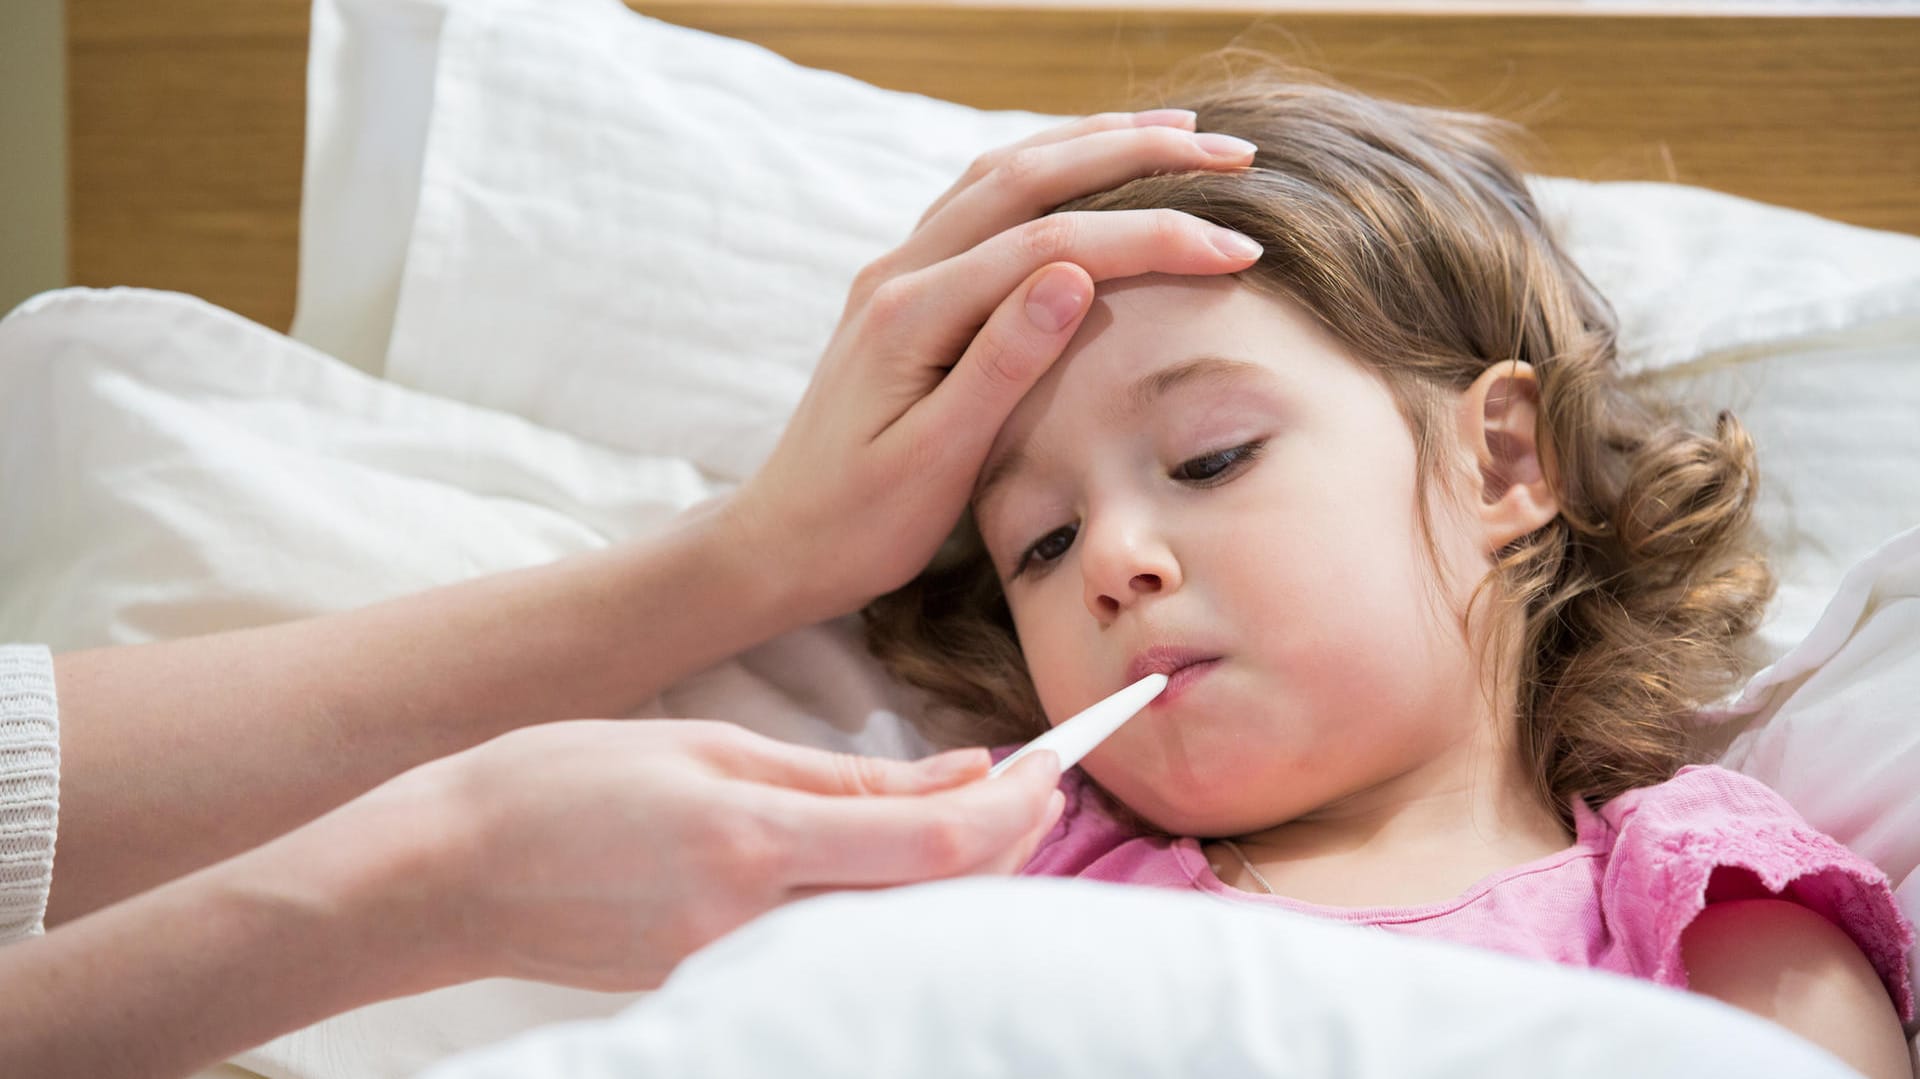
(1207, 484)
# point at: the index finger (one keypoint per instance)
(1042, 177)
(881, 840)
(1073, 129)
(972, 400)
(820, 771)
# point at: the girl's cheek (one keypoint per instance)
(1052, 670)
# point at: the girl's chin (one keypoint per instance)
(1184, 782)
(1184, 807)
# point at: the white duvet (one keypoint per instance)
(172, 469)
(1078, 980)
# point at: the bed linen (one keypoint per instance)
(643, 234)
(173, 468)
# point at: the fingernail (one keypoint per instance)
(1056, 805)
(1165, 118)
(1218, 145)
(1055, 301)
(954, 765)
(1235, 245)
(1042, 758)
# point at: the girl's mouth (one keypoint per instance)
(1181, 679)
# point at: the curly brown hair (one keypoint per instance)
(1410, 233)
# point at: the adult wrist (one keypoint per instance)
(378, 881)
(339, 913)
(764, 562)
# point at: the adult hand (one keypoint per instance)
(941, 337)
(594, 853)
(601, 853)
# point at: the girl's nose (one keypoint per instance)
(1124, 560)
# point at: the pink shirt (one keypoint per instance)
(1638, 872)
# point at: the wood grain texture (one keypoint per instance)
(187, 115)
(187, 119)
(1817, 113)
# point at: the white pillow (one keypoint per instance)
(1853, 681)
(1833, 421)
(580, 256)
(1692, 272)
(370, 70)
(643, 234)
(1080, 980)
(627, 154)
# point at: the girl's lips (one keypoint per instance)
(1179, 680)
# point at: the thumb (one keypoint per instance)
(1020, 341)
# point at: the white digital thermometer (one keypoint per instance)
(1077, 736)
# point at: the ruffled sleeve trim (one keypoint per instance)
(1674, 838)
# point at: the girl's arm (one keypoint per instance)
(1788, 964)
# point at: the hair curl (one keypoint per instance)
(1410, 233)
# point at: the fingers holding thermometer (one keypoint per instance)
(837, 843)
(969, 828)
(1067, 744)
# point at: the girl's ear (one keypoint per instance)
(1499, 415)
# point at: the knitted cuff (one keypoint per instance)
(29, 787)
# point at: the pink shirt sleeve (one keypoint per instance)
(1710, 835)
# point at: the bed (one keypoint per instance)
(308, 227)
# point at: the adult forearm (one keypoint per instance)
(331, 917)
(178, 754)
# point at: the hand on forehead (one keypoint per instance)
(1147, 339)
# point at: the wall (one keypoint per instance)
(33, 149)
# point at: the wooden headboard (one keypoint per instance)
(187, 116)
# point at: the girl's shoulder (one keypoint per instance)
(1711, 835)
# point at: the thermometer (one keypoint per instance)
(1078, 735)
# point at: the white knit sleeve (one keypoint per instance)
(29, 787)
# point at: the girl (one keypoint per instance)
(1435, 591)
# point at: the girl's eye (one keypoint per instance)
(1206, 471)
(1201, 470)
(1047, 548)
